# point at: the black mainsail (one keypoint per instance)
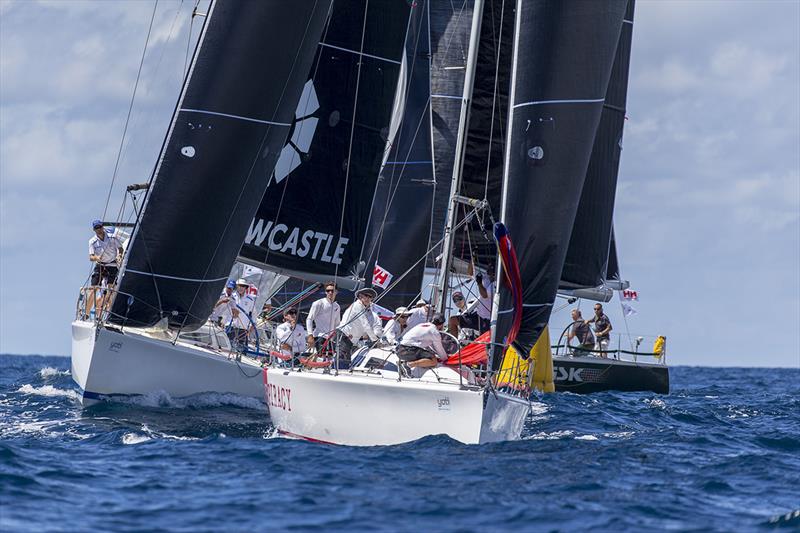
(314, 216)
(588, 253)
(563, 56)
(229, 125)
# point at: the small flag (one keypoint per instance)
(380, 277)
(248, 271)
(629, 295)
(628, 310)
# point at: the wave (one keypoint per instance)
(50, 391)
(49, 372)
(203, 400)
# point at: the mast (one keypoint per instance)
(455, 184)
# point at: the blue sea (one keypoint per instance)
(721, 452)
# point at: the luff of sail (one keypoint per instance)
(588, 252)
(400, 224)
(231, 120)
(313, 217)
(563, 54)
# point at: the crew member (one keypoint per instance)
(323, 318)
(419, 313)
(466, 317)
(243, 303)
(104, 250)
(486, 290)
(581, 331)
(291, 336)
(358, 321)
(221, 314)
(421, 346)
(602, 330)
(397, 326)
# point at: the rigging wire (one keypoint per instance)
(189, 39)
(130, 107)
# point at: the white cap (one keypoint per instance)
(420, 303)
(242, 281)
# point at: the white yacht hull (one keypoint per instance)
(357, 409)
(108, 364)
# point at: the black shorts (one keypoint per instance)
(413, 353)
(104, 272)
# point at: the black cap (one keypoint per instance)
(438, 319)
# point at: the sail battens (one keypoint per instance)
(251, 61)
(408, 163)
(450, 96)
(566, 101)
(626, 21)
(178, 278)
(314, 215)
(585, 265)
(557, 52)
(238, 117)
(363, 54)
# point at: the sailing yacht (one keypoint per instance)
(549, 70)
(231, 121)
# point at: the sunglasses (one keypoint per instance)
(330, 290)
(457, 299)
(291, 312)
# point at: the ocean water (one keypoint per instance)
(721, 452)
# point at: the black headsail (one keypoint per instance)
(230, 123)
(313, 218)
(563, 54)
(450, 24)
(588, 253)
(400, 224)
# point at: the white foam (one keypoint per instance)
(656, 403)
(197, 401)
(586, 437)
(49, 372)
(48, 390)
(542, 435)
(619, 435)
(133, 438)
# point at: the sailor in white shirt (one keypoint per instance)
(421, 346)
(291, 336)
(323, 318)
(358, 321)
(419, 314)
(104, 250)
(466, 316)
(222, 313)
(241, 310)
(397, 326)
(484, 307)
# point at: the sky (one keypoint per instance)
(708, 204)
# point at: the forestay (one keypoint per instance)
(230, 123)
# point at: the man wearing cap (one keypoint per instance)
(467, 317)
(486, 289)
(104, 251)
(397, 326)
(222, 313)
(358, 321)
(241, 310)
(421, 346)
(324, 316)
(419, 314)
(291, 336)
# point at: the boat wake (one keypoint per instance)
(205, 400)
(49, 391)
